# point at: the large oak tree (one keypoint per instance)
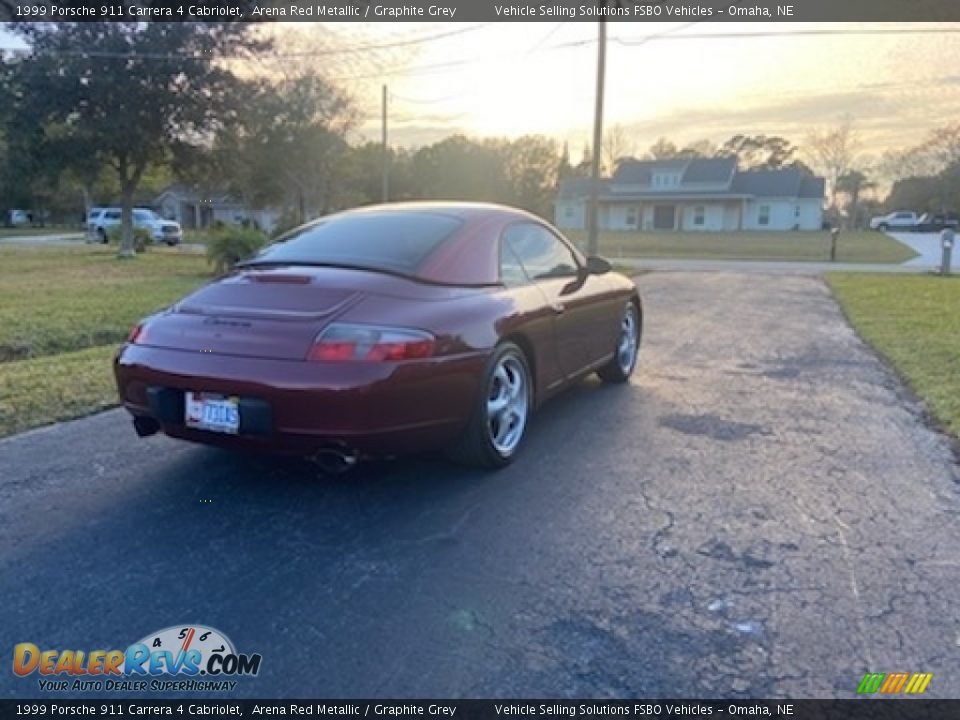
(126, 94)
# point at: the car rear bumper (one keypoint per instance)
(299, 407)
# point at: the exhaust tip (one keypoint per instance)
(145, 426)
(335, 460)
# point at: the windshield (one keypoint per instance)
(388, 241)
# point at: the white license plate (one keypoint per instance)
(208, 411)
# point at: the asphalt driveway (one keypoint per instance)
(761, 512)
(928, 248)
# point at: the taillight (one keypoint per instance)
(136, 334)
(369, 343)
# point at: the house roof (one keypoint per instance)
(694, 170)
(189, 194)
(702, 178)
(710, 170)
(788, 182)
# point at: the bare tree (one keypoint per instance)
(834, 152)
(943, 147)
(617, 144)
(662, 149)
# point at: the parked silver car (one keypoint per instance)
(101, 219)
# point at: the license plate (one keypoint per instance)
(217, 413)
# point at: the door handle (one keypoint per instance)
(558, 307)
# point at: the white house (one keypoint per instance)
(693, 194)
(195, 209)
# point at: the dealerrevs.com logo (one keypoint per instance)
(176, 659)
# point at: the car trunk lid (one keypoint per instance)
(269, 314)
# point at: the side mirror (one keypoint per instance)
(597, 265)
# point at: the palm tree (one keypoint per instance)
(852, 184)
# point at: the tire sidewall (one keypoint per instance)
(495, 457)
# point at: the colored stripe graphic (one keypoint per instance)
(893, 683)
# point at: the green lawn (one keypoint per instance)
(57, 387)
(914, 322)
(21, 231)
(63, 312)
(58, 299)
(854, 246)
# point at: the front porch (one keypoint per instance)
(674, 215)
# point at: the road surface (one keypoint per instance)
(761, 512)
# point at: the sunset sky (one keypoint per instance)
(512, 79)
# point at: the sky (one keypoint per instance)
(511, 79)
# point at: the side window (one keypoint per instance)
(111, 215)
(511, 271)
(763, 215)
(542, 255)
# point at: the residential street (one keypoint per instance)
(761, 513)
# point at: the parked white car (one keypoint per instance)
(899, 220)
(18, 217)
(102, 219)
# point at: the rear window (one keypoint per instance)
(392, 242)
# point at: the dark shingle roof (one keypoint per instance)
(788, 182)
(813, 187)
(710, 170)
(640, 172)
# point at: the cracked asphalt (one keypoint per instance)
(761, 512)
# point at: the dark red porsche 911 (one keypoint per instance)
(381, 331)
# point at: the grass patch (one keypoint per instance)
(852, 247)
(21, 231)
(43, 390)
(54, 300)
(912, 321)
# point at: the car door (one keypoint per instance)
(556, 272)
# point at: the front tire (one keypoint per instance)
(624, 359)
(499, 419)
(102, 234)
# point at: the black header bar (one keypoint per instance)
(484, 10)
(867, 709)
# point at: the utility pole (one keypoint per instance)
(386, 151)
(593, 210)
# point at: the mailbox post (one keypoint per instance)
(946, 248)
(834, 233)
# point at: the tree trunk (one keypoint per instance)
(126, 222)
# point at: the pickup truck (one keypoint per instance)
(935, 222)
(899, 220)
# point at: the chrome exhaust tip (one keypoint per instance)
(335, 460)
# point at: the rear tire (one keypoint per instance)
(102, 234)
(624, 359)
(502, 409)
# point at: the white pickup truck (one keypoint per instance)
(899, 220)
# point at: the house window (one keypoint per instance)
(763, 215)
(699, 213)
(796, 211)
(568, 211)
(665, 180)
(631, 217)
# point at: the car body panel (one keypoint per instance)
(249, 334)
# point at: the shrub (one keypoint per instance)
(141, 237)
(228, 247)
